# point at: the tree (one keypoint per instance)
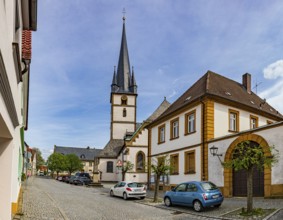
(160, 167)
(39, 159)
(249, 155)
(73, 163)
(127, 166)
(56, 162)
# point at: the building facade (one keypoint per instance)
(211, 109)
(17, 21)
(86, 155)
(267, 183)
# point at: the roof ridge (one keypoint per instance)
(224, 77)
(77, 147)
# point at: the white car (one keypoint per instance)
(128, 189)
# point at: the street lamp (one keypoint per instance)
(213, 151)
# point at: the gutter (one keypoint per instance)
(29, 14)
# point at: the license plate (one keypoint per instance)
(215, 196)
(137, 190)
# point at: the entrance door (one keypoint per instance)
(240, 183)
(240, 180)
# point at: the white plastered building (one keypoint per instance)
(216, 111)
(17, 20)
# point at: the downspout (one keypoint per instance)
(26, 71)
(203, 137)
(27, 64)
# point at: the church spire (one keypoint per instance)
(133, 82)
(123, 77)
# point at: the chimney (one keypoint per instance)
(247, 82)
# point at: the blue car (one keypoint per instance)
(198, 195)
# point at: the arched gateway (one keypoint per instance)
(235, 182)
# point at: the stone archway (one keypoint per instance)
(228, 173)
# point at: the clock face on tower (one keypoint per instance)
(124, 100)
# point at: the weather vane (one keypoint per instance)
(124, 13)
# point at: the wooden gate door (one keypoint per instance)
(240, 183)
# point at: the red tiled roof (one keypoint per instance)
(26, 44)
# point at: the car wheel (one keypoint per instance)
(167, 201)
(197, 206)
(142, 197)
(125, 196)
(217, 206)
(111, 193)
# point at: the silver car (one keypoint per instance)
(127, 189)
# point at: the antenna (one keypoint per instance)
(256, 85)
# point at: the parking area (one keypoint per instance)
(229, 205)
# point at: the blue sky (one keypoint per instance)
(171, 44)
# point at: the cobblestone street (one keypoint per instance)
(46, 198)
(49, 199)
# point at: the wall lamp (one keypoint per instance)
(213, 151)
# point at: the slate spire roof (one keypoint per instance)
(124, 81)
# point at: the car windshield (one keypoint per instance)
(208, 186)
(135, 185)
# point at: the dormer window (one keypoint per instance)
(124, 100)
(82, 156)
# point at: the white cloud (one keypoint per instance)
(274, 94)
(274, 70)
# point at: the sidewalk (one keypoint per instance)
(37, 204)
(229, 205)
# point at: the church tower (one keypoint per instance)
(123, 94)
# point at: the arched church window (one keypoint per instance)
(124, 112)
(140, 161)
(124, 100)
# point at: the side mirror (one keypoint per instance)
(174, 189)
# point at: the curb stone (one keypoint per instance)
(162, 206)
(221, 216)
(272, 214)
